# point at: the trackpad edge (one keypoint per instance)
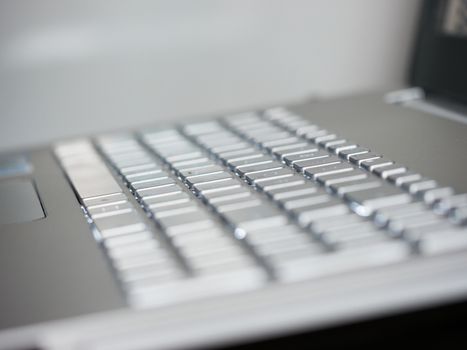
(19, 201)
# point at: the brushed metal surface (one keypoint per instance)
(52, 268)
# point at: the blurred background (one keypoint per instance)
(74, 67)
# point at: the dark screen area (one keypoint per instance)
(440, 58)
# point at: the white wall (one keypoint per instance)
(76, 67)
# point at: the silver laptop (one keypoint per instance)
(246, 226)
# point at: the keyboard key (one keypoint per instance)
(249, 160)
(356, 185)
(292, 153)
(373, 164)
(210, 169)
(433, 195)
(340, 177)
(282, 193)
(261, 216)
(293, 158)
(347, 153)
(358, 158)
(183, 223)
(207, 178)
(420, 185)
(152, 183)
(268, 175)
(317, 172)
(266, 186)
(400, 178)
(339, 147)
(304, 200)
(345, 260)
(113, 198)
(301, 165)
(109, 210)
(330, 208)
(386, 171)
(215, 186)
(365, 202)
(449, 203)
(163, 190)
(120, 224)
(245, 170)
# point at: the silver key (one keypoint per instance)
(301, 165)
(337, 148)
(242, 171)
(120, 224)
(219, 185)
(365, 202)
(304, 200)
(105, 200)
(372, 164)
(332, 207)
(146, 193)
(207, 178)
(317, 172)
(436, 194)
(331, 179)
(449, 203)
(280, 142)
(268, 175)
(357, 185)
(261, 216)
(347, 153)
(291, 159)
(401, 178)
(124, 240)
(420, 186)
(211, 169)
(110, 208)
(358, 158)
(393, 169)
(292, 191)
(191, 222)
(168, 200)
(253, 160)
(152, 183)
(305, 149)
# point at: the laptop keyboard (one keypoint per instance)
(240, 202)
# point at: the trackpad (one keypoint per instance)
(19, 202)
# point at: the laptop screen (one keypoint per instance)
(440, 60)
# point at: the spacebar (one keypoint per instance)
(86, 170)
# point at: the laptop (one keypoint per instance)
(245, 226)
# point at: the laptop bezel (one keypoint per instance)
(438, 58)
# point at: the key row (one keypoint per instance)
(365, 196)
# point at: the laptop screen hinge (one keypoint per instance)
(405, 96)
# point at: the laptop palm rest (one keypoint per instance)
(19, 202)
